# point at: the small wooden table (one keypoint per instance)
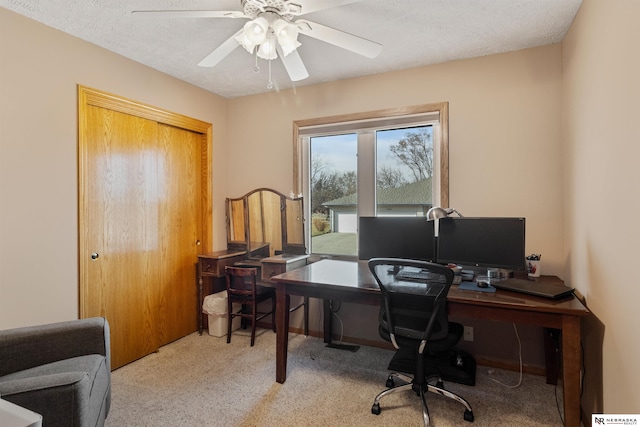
(211, 265)
(351, 281)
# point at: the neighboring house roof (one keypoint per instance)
(416, 193)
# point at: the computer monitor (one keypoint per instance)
(396, 237)
(482, 242)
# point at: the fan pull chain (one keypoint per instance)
(256, 69)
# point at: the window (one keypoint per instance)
(382, 163)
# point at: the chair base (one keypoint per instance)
(437, 388)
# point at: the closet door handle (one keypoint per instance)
(95, 256)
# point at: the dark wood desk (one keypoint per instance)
(352, 281)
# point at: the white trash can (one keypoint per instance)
(215, 306)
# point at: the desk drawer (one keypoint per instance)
(215, 267)
(271, 269)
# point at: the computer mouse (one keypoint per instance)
(483, 284)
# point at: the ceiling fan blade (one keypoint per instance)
(356, 44)
(294, 65)
(309, 6)
(221, 52)
(190, 13)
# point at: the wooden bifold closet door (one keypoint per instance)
(144, 210)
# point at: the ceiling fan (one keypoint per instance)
(272, 32)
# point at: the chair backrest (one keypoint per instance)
(414, 298)
(241, 281)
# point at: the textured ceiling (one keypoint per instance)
(414, 33)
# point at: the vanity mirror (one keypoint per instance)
(265, 222)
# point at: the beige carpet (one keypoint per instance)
(203, 381)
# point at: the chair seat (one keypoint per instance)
(453, 365)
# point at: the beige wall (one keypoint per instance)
(504, 134)
(601, 135)
(40, 69)
(545, 133)
(505, 151)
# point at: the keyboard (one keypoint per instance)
(416, 276)
(423, 282)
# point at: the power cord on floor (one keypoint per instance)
(520, 358)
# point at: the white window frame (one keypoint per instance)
(365, 124)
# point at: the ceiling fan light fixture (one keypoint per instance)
(245, 43)
(272, 31)
(255, 31)
(267, 49)
(287, 35)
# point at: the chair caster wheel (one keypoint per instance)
(468, 415)
(390, 383)
(375, 409)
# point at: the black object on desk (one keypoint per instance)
(473, 286)
(415, 275)
(541, 289)
(396, 237)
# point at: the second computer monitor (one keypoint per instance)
(483, 242)
(396, 237)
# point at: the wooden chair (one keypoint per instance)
(242, 288)
(304, 303)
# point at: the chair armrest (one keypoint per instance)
(25, 348)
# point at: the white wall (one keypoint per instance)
(601, 135)
(40, 69)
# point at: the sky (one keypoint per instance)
(339, 151)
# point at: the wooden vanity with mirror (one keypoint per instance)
(265, 229)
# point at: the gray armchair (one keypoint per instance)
(61, 371)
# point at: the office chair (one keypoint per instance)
(413, 317)
(242, 288)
